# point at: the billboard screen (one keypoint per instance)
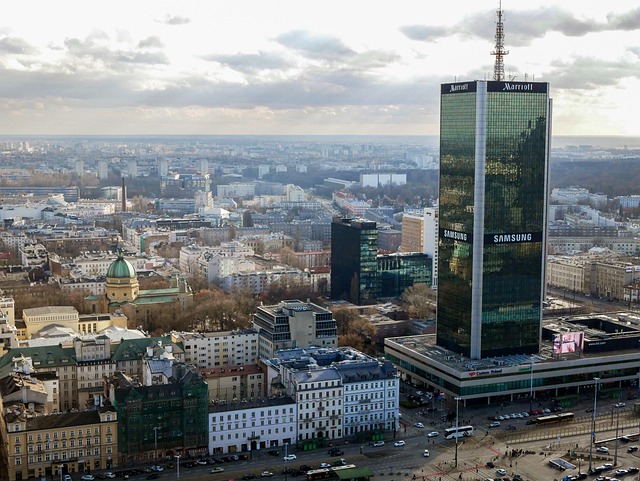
(568, 342)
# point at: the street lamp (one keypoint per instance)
(593, 423)
(60, 469)
(155, 445)
(615, 456)
(457, 432)
(531, 389)
(177, 456)
(579, 464)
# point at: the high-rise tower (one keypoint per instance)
(354, 264)
(494, 151)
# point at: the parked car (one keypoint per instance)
(157, 468)
(290, 457)
(216, 470)
(602, 449)
(632, 449)
(494, 424)
(88, 477)
(273, 452)
(399, 443)
(109, 475)
(377, 444)
(202, 462)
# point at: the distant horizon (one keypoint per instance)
(605, 141)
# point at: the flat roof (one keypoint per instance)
(626, 322)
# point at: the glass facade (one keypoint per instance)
(493, 171)
(400, 271)
(354, 265)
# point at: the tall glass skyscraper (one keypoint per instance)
(494, 151)
(354, 264)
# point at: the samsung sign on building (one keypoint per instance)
(504, 238)
(513, 238)
(455, 235)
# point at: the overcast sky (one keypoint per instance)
(304, 67)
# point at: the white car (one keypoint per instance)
(619, 405)
(500, 472)
(266, 474)
(419, 425)
(290, 457)
(157, 468)
(500, 418)
(87, 477)
(216, 470)
(399, 443)
(109, 474)
(426, 453)
(433, 434)
(494, 424)
(377, 444)
(602, 449)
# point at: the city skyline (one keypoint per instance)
(303, 68)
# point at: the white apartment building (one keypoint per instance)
(212, 349)
(339, 392)
(371, 395)
(319, 395)
(244, 426)
(215, 266)
(257, 281)
(14, 240)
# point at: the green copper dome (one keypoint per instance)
(121, 269)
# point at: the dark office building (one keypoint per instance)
(402, 270)
(354, 265)
(494, 142)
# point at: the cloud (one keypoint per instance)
(316, 46)
(523, 26)
(18, 46)
(93, 53)
(151, 42)
(425, 33)
(584, 73)
(625, 21)
(251, 63)
(176, 20)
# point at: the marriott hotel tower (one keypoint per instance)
(494, 162)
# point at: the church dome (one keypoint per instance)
(121, 269)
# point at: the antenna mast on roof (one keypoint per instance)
(499, 51)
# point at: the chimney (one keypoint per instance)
(124, 195)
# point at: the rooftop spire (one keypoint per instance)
(499, 51)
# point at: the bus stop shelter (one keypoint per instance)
(355, 473)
